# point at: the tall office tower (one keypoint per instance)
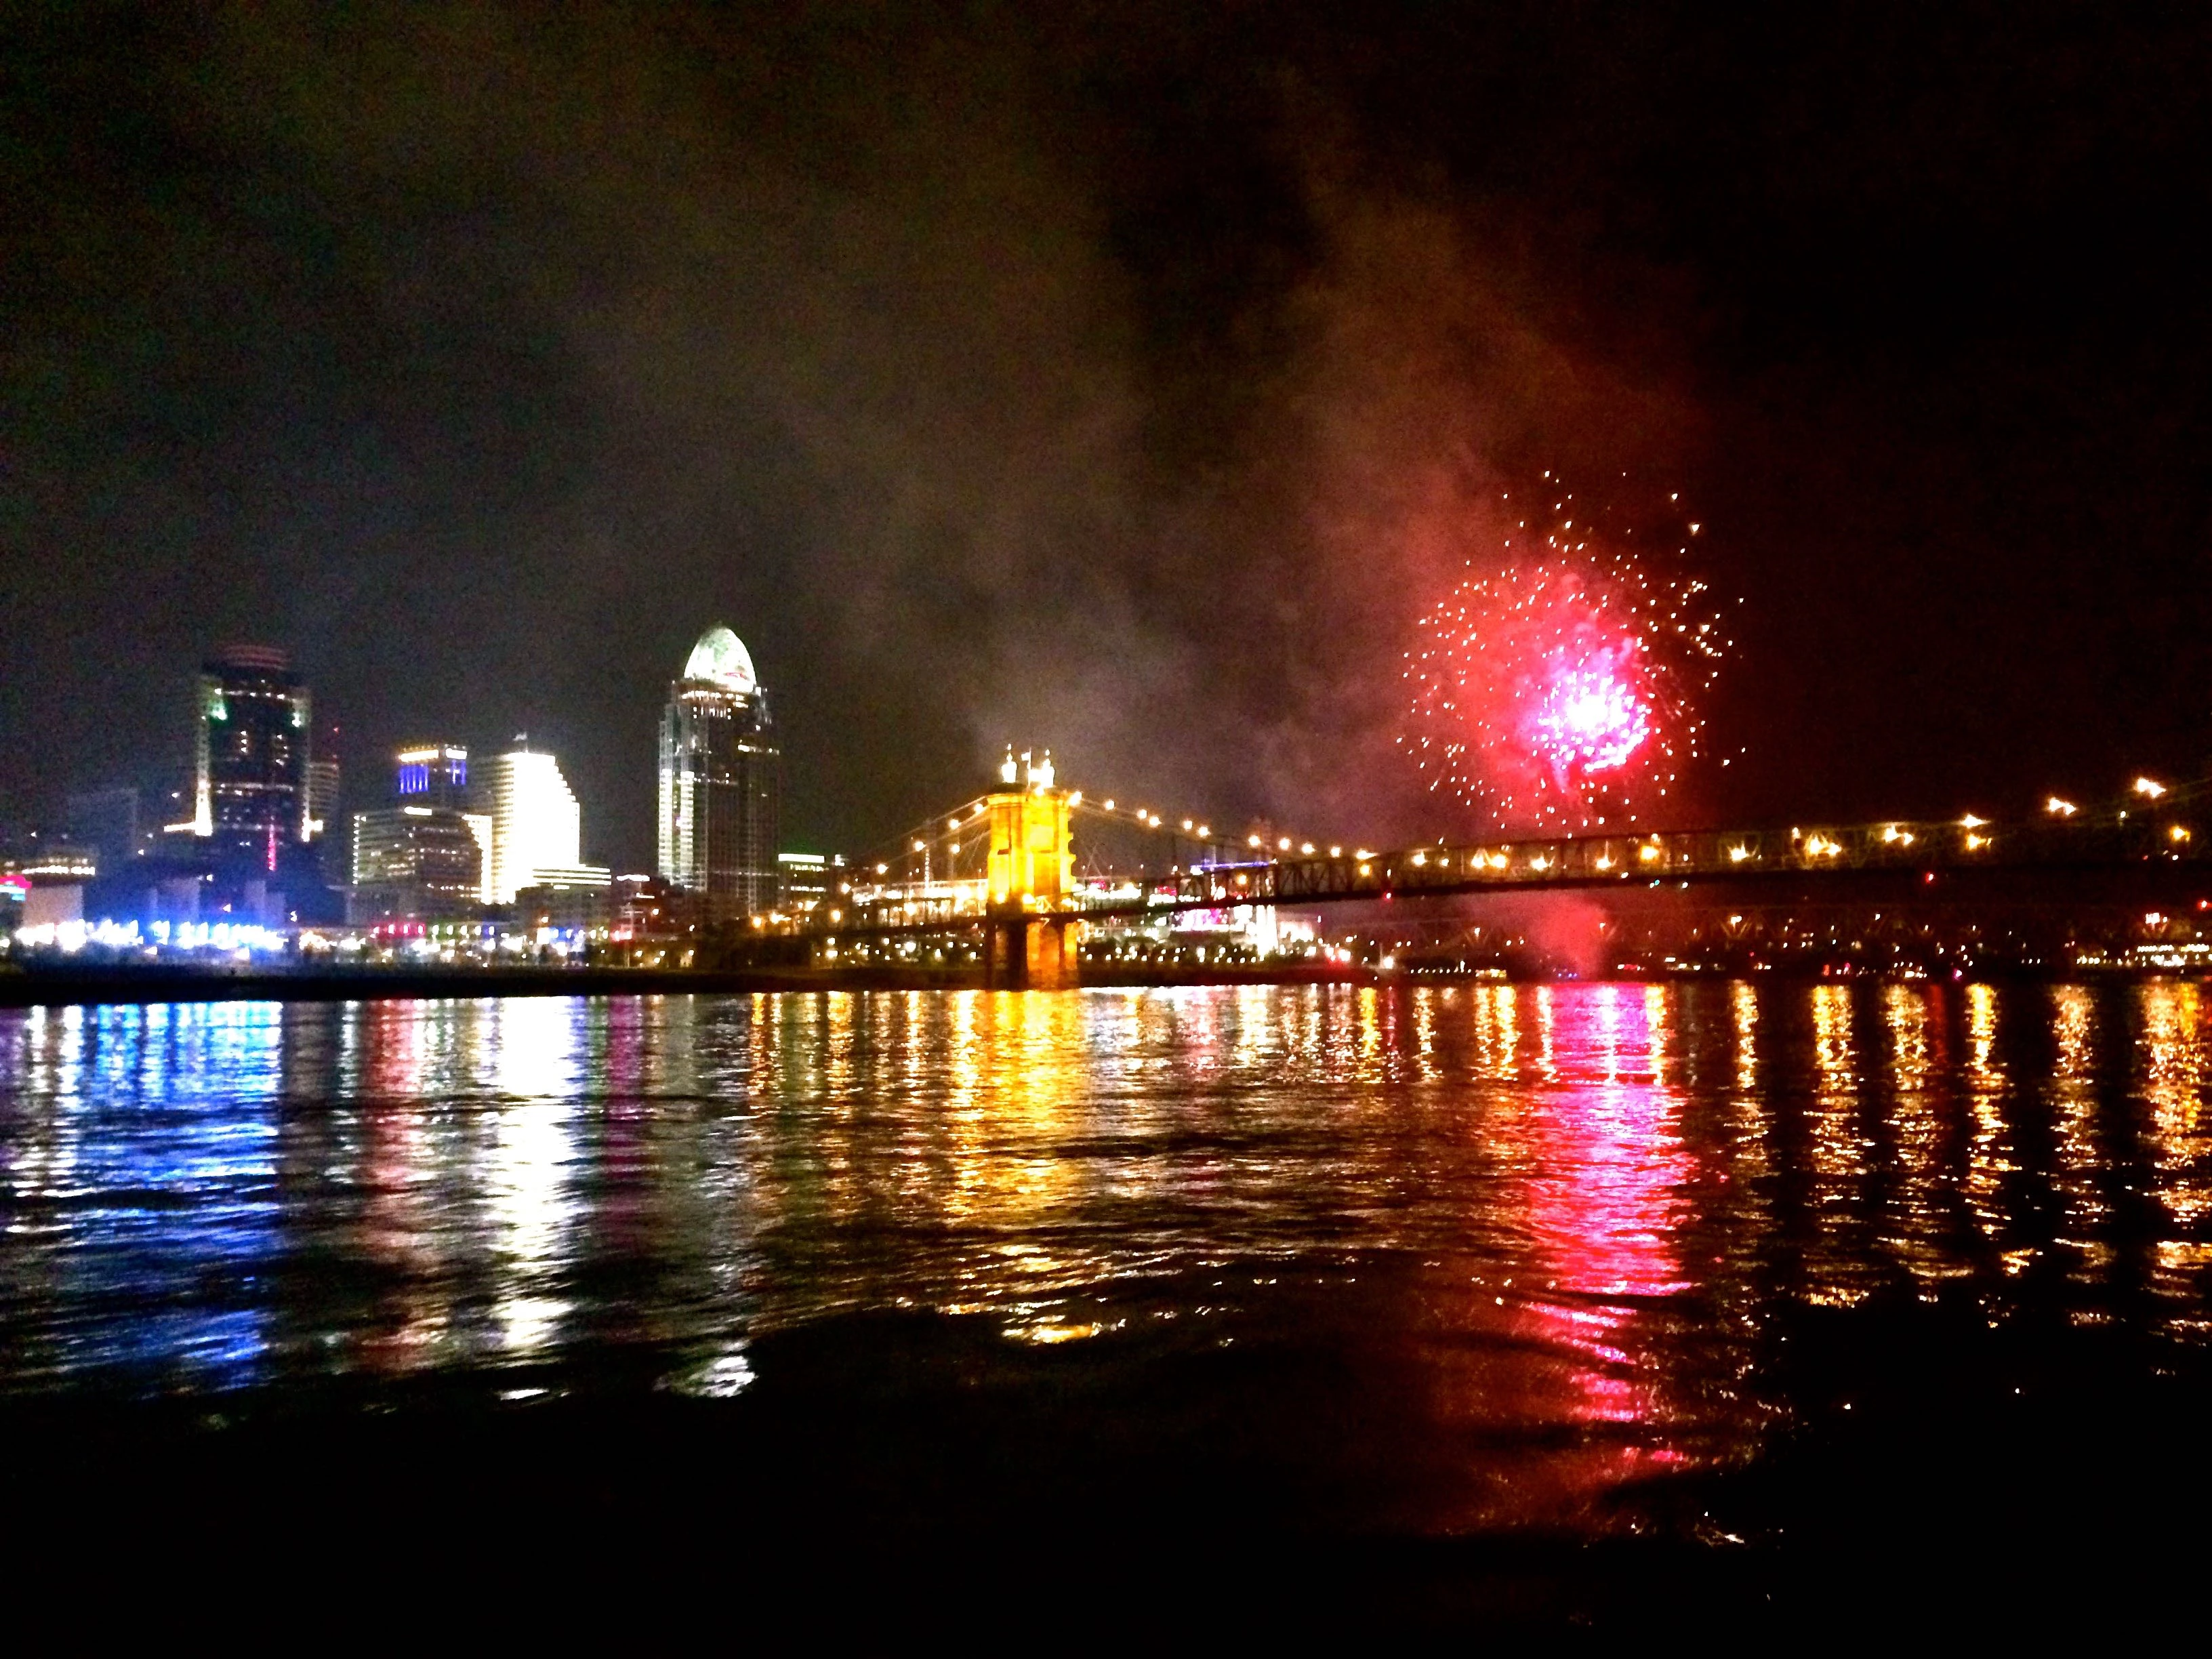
(323, 781)
(720, 782)
(251, 748)
(425, 858)
(537, 831)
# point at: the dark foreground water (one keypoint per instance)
(1531, 1300)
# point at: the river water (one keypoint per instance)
(1497, 1258)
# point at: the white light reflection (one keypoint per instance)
(723, 1377)
(530, 1049)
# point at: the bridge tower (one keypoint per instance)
(1030, 874)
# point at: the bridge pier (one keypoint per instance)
(1031, 953)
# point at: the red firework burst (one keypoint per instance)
(1554, 686)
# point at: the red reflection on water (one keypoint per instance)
(1577, 1371)
(1604, 1201)
(395, 1178)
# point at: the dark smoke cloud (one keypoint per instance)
(1121, 378)
(533, 344)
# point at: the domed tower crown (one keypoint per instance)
(720, 659)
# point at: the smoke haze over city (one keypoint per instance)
(1123, 379)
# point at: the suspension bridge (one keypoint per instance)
(1002, 867)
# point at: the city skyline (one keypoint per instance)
(197, 788)
(433, 835)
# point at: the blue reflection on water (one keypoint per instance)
(140, 1153)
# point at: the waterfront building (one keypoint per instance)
(423, 863)
(813, 881)
(251, 747)
(648, 912)
(616, 913)
(536, 827)
(584, 900)
(423, 858)
(53, 904)
(720, 784)
(48, 857)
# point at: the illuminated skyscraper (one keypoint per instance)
(252, 750)
(720, 783)
(423, 859)
(422, 862)
(537, 829)
(434, 774)
(323, 781)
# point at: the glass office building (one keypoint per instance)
(720, 784)
(420, 862)
(252, 748)
(424, 858)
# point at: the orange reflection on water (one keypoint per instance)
(1496, 1031)
(978, 1184)
(1743, 1008)
(2077, 1156)
(1838, 1149)
(1841, 1151)
(2173, 1067)
(1913, 1019)
(1750, 1120)
(1988, 1095)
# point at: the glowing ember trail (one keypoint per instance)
(1552, 686)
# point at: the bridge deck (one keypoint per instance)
(1523, 864)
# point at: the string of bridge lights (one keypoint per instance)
(1815, 843)
(970, 816)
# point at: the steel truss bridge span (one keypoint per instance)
(1525, 864)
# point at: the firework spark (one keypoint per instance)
(1554, 685)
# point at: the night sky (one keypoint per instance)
(1122, 378)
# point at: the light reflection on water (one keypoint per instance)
(1561, 1211)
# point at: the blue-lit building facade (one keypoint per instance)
(432, 775)
(423, 858)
